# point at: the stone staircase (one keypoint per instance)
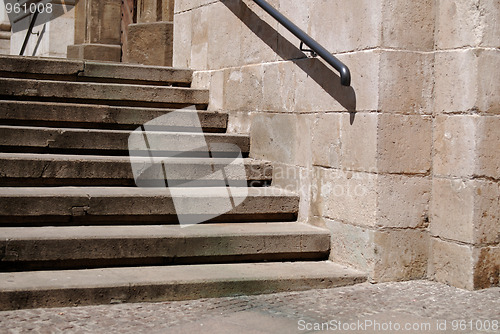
(76, 230)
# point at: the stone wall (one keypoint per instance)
(465, 217)
(403, 167)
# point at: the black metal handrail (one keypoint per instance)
(29, 33)
(345, 74)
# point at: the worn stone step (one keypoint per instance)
(31, 113)
(27, 206)
(110, 142)
(83, 247)
(89, 70)
(102, 93)
(30, 169)
(152, 284)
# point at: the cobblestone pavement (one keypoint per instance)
(426, 307)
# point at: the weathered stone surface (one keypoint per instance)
(151, 43)
(466, 80)
(66, 139)
(487, 267)
(108, 52)
(199, 243)
(406, 82)
(404, 144)
(104, 92)
(243, 88)
(199, 39)
(467, 145)
(403, 201)
(467, 23)
(149, 11)
(326, 141)
(407, 26)
(297, 180)
(48, 288)
(466, 211)
(340, 17)
(104, 117)
(182, 39)
(345, 196)
(352, 245)
(73, 170)
(400, 255)
(451, 263)
(70, 204)
(358, 143)
(47, 68)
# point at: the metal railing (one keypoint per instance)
(29, 33)
(345, 74)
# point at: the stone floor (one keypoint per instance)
(426, 307)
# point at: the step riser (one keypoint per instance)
(40, 173)
(99, 116)
(65, 141)
(73, 206)
(157, 293)
(117, 285)
(93, 253)
(94, 93)
(72, 70)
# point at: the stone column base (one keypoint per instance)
(106, 52)
(151, 43)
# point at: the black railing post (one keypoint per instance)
(28, 34)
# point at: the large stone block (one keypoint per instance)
(386, 255)
(346, 25)
(95, 52)
(259, 33)
(458, 24)
(451, 263)
(273, 137)
(359, 134)
(150, 43)
(182, 39)
(224, 31)
(407, 25)
(400, 255)
(345, 196)
(199, 38)
(403, 201)
(243, 88)
(467, 81)
(406, 82)
(465, 266)
(326, 140)
(467, 145)
(404, 144)
(466, 210)
(352, 245)
(467, 23)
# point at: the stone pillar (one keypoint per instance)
(150, 40)
(4, 30)
(97, 30)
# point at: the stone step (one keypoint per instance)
(31, 206)
(30, 169)
(83, 247)
(67, 115)
(153, 284)
(88, 70)
(109, 142)
(102, 93)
